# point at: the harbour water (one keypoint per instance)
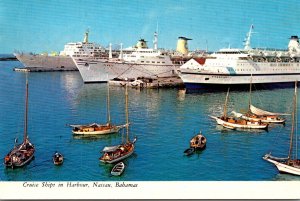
(164, 121)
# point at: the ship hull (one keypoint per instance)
(211, 80)
(46, 63)
(103, 71)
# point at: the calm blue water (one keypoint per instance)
(163, 120)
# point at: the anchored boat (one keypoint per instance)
(290, 164)
(23, 153)
(119, 152)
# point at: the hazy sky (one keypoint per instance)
(40, 25)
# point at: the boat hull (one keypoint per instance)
(279, 121)
(253, 125)
(283, 168)
(45, 62)
(194, 80)
(102, 70)
(101, 132)
(118, 159)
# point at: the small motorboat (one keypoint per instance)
(58, 158)
(118, 169)
(189, 151)
(198, 142)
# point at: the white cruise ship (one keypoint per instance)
(240, 66)
(139, 61)
(63, 61)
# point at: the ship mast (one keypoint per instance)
(108, 105)
(155, 41)
(26, 111)
(126, 113)
(248, 39)
(225, 105)
(293, 124)
(250, 91)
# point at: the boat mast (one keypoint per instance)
(26, 111)
(225, 105)
(250, 91)
(293, 124)
(126, 113)
(108, 105)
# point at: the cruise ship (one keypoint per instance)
(136, 62)
(63, 60)
(242, 66)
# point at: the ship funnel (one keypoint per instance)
(182, 45)
(294, 44)
(86, 36)
(141, 44)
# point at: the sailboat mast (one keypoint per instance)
(225, 105)
(108, 105)
(293, 123)
(250, 91)
(126, 111)
(26, 111)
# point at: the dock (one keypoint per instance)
(43, 69)
(163, 82)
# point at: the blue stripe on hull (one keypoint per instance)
(198, 87)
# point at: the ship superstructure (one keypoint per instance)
(135, 62)
(239, 66)
(63, 61)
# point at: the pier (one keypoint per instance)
(162, 82)
(44, 69)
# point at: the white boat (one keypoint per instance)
(118, 169)
(63, 60)
(290, 164)
(113, 154)
(233, 123)
(139, 61)
(98, 129)
(259, 115)
(238, 66)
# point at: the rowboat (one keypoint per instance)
(118, 169)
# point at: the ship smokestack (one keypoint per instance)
(86, 37)
(182, 45)
(294, 44)
(141, 44)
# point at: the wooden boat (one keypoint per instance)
(98, 129)
(117, 153)
(198, 142)
(226, 125)
(290, 164)
(233, 123)
(58, 158)
(23, 153)
(259, 115)
(189, 151)
(118, 169)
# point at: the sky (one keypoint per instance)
(47, 25)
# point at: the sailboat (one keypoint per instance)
(98, 129)
(23, 153)
(289, 165)
(119, 152)
(257, 114)
(233, 123)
